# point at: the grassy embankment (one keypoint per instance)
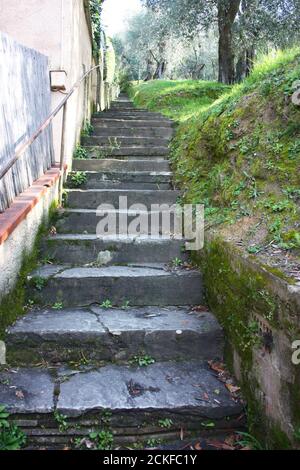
(239, 154)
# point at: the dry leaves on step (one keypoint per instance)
(233, 389)
(199, 308)
(52, 231)
(20, 394)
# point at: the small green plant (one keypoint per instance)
(106, 304)
(177, 262)
(39, 283)
(11, 437)
(61, 421)
(254, 250)
(58, 306)
(153, 443)
(78, 179)
(87, 130)
(47, 260)
(114, 144)
(142, 361)
(249, 441)
(165, 423)
(102, 440)
(208, 424)
(126, 305)
(80, 153)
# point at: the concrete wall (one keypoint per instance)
(21, 241)
(60, 30)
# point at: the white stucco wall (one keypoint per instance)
(58, 29)
(21, 241)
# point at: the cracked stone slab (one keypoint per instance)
(27, 391)
(114, 334)
(51, 323)
(177, 388)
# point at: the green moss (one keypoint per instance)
(234, 294)
(14, 304)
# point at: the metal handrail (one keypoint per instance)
(21, 150)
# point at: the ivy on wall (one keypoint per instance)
(96, 10)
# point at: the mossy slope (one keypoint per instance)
(240, 156)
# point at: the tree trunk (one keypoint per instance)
(240, 69)
(227, 11)
(250, 56)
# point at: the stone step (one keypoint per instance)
(85, 221)
(139, 285)
(93, 198)
(129, 165)
(131, 113)
(121, 142)
(130, 401)
(124, 180)
(132, 123)
(85, 249)
(125, 107)
(113, 131)
(146, 118)
(60, 336)
(138, 151)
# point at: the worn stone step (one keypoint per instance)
(128, 165)
(125, 107)
(131, 401)
(85, 249)
(148, 119)
(131, 114)
(93, 198)
(139, 285)
(133, 151)
(99, 334)
(124, 141)
(162, 132)
(106, 122)
(85, 221)
(123, 180)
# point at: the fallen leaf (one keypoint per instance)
(232, 388)
(199, 308)
(197, 446)
(216, 367)
(20, 394)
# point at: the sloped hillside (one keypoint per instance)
(240, 157)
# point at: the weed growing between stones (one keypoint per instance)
(58, 306)
(107, 304)
(61, 421)
(165, 423)
(38, 283)
(87, 130)
(11, 437)
(80, 153)
(77, 179)
(247, 441)
(142, 361)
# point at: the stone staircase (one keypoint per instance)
(117, 344)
